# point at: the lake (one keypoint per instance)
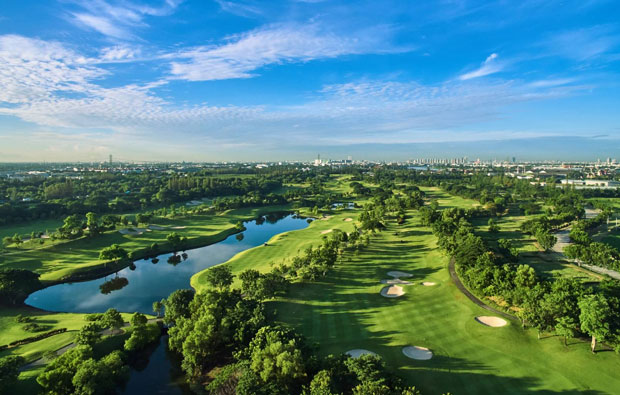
(135, 288)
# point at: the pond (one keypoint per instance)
(136, 288)
(160, 374)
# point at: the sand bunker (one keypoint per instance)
(397, 274)
(428, 283)
(395, 281)
(326, 231)
(358, 352)
(419, 353)
(179, 227)
(327, 217)
(348, 219)
(393, 291)
(156, 227)
(495, 322)
(132, 232)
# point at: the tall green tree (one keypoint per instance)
(594, 317)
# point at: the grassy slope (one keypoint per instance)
(27, 228)
(345, 311)
(59, 261)
(283, 246)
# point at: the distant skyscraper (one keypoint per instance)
(110, 159)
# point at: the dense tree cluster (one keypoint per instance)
(562, 305)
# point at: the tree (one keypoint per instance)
(92, 224)
(140, 333)
(275, 356)
(113, 253)
(493, 226)
(177, 305)
(138, 319)
(9, 371)
(546, 240)
(57, 377)
(158, 306)
(321, 384)
(112, 319)
(89, 334)
(565, 327)
(594, 317)
(219, 276)
(174, 239)
(16, 285)
(101, 377)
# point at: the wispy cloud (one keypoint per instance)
(117, 20)
(245, 53)
(583, 44)
(490, 66)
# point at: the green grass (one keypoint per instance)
(444, 199)
(25, 229)
(283, 247)
(61, 261)
(34, 351)
(345, 311)
(549, 265)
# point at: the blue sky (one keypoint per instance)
(280, 80)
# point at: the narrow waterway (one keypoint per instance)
(136, 288)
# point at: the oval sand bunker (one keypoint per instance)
(358, 352)
(327, 231)
(428, 283)
(398, 274)
(393, 291)
(494, 322)
(419, 353)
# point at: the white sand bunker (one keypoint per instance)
(326, 231)
(395, 281)
(348, 219)
(495, 322)
(179, 227)
(397, 274)
(327, 217)
(393, 291)
(428, 283)
(416, 352)
(132, 232)
(358, 352)
(156, 227)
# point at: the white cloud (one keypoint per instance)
(117, 20)
(32, 69)
(489, 66)
(56, 88)
(245, 53)
(102, 25)
(583, 44)
(119, 53)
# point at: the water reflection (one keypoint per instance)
(113, 285)
(150, 282)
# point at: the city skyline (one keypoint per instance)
(245, 80)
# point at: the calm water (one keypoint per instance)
(162, 374)
(136, 290)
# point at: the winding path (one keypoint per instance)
(472, 297)
(43, 361)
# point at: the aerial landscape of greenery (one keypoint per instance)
(399, 281)
(309, 197)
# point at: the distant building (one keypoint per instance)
(592, 183)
